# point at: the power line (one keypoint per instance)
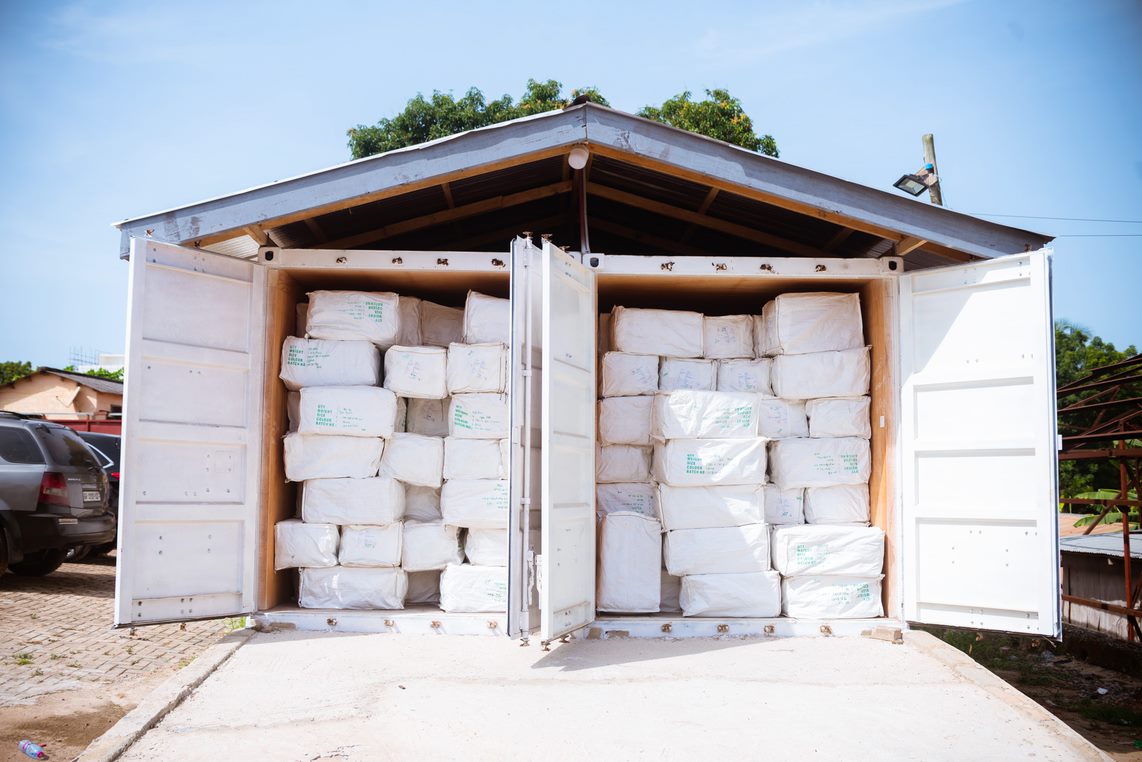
(1064, 219)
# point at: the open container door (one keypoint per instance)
(980, 493)
(191, 436)
(567, 494)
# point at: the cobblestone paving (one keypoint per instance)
(56, 635)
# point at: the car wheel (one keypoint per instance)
(77, 554)
(39, 563)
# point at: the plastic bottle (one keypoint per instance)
(32, 750)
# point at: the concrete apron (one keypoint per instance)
(302, 695)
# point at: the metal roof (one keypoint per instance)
(649, 188)
(1109, 544)
(105, 385)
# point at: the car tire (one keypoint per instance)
(39, 563)
(76, 554)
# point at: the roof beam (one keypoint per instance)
(447, 189)
(646, 239)
(507, 233)
(702, 209)
(260, 236)
(908, 244)
(686, 215)
(838, 239)
(449, 215)
(315, 228)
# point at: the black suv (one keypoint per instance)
(106, 448)
(53, 495)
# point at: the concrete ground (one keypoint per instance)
(309, 696)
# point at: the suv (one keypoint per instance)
(106, 447)
(53, 495)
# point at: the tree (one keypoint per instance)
(110, 375)
(13, 371)
(720, 116)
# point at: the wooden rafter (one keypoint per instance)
(447, 189)
(646, 239)
(908, 244)
(702, 209)
(260, 236)
(505, 233)
(315, 228)
(838, 238)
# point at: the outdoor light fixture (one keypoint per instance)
(916, 184)
(578, 157)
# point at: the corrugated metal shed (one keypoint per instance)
(1109, 544)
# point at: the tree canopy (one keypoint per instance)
(14, 370)
(719, 116)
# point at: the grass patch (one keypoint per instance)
(24, 659)
(184, 663)
(235, 623)
(1113, 714)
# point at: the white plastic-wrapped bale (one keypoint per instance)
(784, 506)
(298, 545)
(843, 504)
(822, 374)
(831, 597)
(707, 507)
(819, 462)
(745, 376)
(474, 368)
(668, 333)
(486, 547)
(331, 457)
(430, 546)
(629, 375)
(409, 335)
(422, 504)
(839, 417)
(376, 500)
(625, 420)
(478, 416)
(475, 503)
(622, 463)
(370, 545)
(721, 550)
(669, 592)
(427, 417)
(751, 594)
(440, 325)
(813, 322)
(707, 462)
(353, 588)
(354, 315)
(705, 415)
(474, 459)
(301, 312)
(417, 372)
(465, 588)
(782, 419)
(293, 410)
(414, 459)
(314, 362)
(630, 563)
(727, 336)
(423, 588)
(853, 551)
(353, 411)
(680, 373)
(487, 319)
(628, 497)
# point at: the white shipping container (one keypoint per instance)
(427, 417)
(474, 459)
(354, 315)
(475, 503)
(314, 362)
(330, 457)
(707, 462)
(474, 368)
(299, 545)
(354, 411)
(625, 420)
(487, 319)
(465, 588)
(745, 376)
(370, 545)
(707, 507)
(630, 562)
(813, 322)
(705, 415)
(839, 417)
(853, 551)
(486, 547)
(430, 546)
(667, 333)
(440, 326)
(751, 594)
(727, 336)
(478, 416)
(831, 597)
(680, 373)
(344, 588)
(629, 497)
(843, 504)
(628, 375)
(821, 374)
(819, 462)
(377, 500)
(721, 550)
(414, 459)
(782, 419)
(784, 506)
(417, 372)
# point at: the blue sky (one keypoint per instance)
(115, 109)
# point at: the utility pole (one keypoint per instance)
(934, 194)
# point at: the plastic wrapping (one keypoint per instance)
(370, 545)
(812, 322)
(313, 362)
(843, 504)
(422, 504)
(670, 590)
(853, 551)
(745, 376)
(784, 506)
(625, 420)
(439, 325)
(629, 564)
(474, 459)
(782, 419)
(831, 597)
(465, 588)
(667, 333)
(414, 459)
(479, 416)
(486, 547)
(839, 417)
(819, 462)
(344, 588)
(622, 463)
(823, 374)
(753, 594)
(377, 500)
(705, 415)
(409, 308)
(427, 417)
(727, 336)
(423, 588)
(417, 372)
(330, 457)
(299, 545)
(487, 319)
(708, 507)
(354, 315)
(707, 462)
(723, 550)
(430, 545)
(354, 411)
(627, 497)
(699, 375)
(628, 375)
(474, 368)
(475, 503)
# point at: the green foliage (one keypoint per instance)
(719, 116)
(13, 371)
(110, 375)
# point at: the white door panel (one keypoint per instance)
(979, 471)
(191, 436)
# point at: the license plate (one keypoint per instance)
(91, 494)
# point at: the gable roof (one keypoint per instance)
(648, 185)
(105, 385)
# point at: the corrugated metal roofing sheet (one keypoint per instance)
(1109, 544)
